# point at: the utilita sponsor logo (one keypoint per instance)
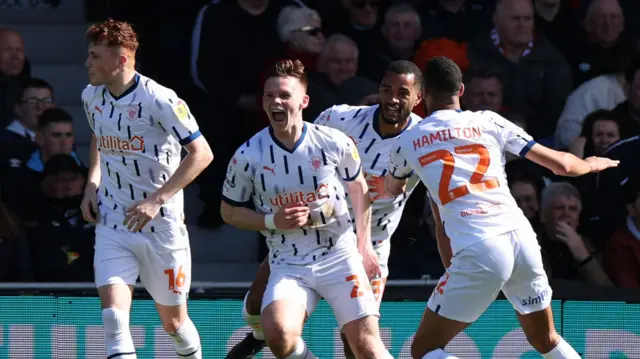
(285, 199)
(113, 143)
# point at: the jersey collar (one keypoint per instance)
(298, 142)
(136, 81)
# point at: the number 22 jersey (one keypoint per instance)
(459, 156)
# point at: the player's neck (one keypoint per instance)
(290, 137)
(391, 129)
(453, 105)
(122, 82)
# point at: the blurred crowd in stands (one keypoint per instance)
(568, 71)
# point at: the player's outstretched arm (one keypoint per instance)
(566, 164)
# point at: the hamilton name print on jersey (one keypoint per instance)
(460, 157)
(267, 173)
(139, 136)
(360, 123)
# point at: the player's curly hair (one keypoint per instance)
(442, 78)
(113, 33)
(288, 67)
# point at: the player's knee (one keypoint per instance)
(281, 340)
(364, 337)
(543, 342)
(115, 322)
(171, 325)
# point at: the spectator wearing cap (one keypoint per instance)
(61, 240)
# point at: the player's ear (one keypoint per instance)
(461, 92)
(418, 98)
(305, 102)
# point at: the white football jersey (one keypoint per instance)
(460, 158)
(266, 172)
(361, 125)
(139, 135)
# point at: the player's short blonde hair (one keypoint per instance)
(294, 18)
(113, 33)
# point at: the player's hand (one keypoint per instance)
(140, 213)
(601, 163)
(370, 262)
(292, 216)
(376, 187)
(89, 204)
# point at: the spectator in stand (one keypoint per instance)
(566, 253)
(338, 62)
(61, 240)
(232, 41)
(558, 21)
(54, 136)
(458, 20)
(401, 31)
(621, 255)
(604, 92)
(14, 70)
(629, 110)
(15, 265)
(536, 78)
(603, 33)
(483, 91)
(359, 21)
(18, 139)
(600, 130)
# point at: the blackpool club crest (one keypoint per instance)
(132, 112)
(315, 163)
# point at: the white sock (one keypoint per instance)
(186, 341)
(117, 337)
(438, 354)
(562, 351)
(252, 320)
(301, 351)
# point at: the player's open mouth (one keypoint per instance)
(392, 110)
(278, 115)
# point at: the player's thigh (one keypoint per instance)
(165, 267)
(473, 281)
(528, 288)
(344, 284)
(116, 267)
(259, 285)
(288, 299)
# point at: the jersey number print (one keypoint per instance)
(476, 182)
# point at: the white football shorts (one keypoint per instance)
(161, 259)
(510, 262)
(340, 279)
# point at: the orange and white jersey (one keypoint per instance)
(139, 135)
(263, 171)
(459, 156)
(360, 123)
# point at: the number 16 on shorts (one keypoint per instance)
(176, 279)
